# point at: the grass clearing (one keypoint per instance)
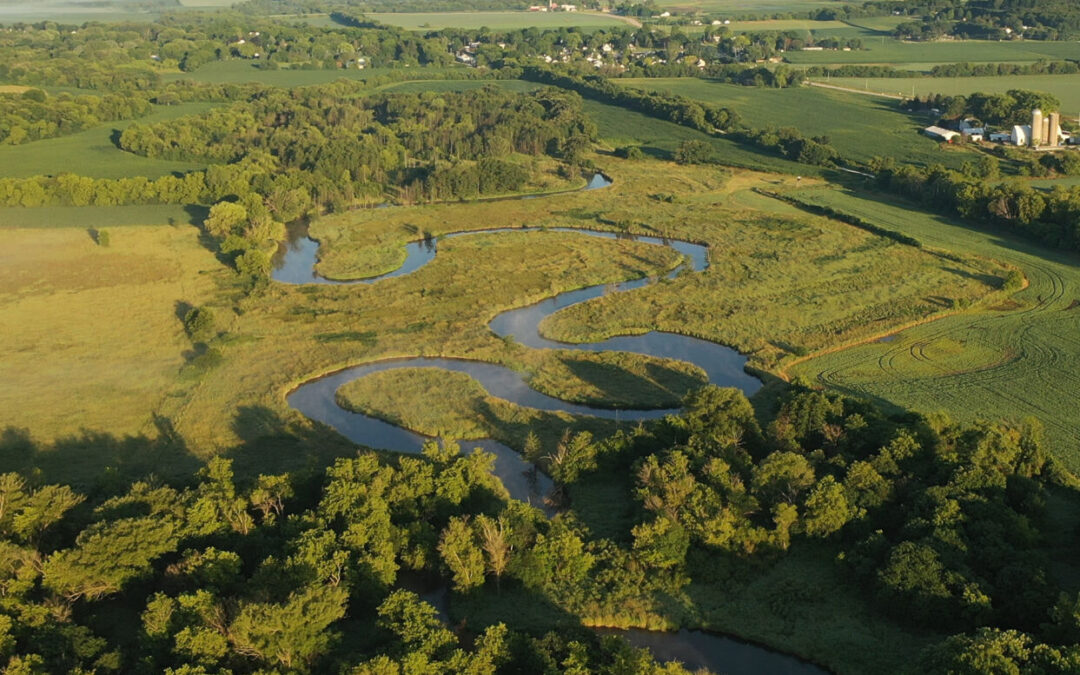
(94, 152)
(91, 334)
(424, 21)
(1009, 359)
(858, 126)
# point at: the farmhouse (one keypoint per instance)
(941, 134)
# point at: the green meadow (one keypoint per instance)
(1007, 359)
(101, 216)
(860, 127)
(888, 50)
(496, 20)
(94, 152)
(1065, 87)
(744, 8)
(520, 86)
(238, 71)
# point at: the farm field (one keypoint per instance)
(754, 8)
(94, 153)
(887, 50)
(414, 86)
(867, 29)
(237, 71)
(1006, 360)
(496, 20)
(1065, 87)
(860, 127)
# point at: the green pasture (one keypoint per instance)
(239, 71)
(1065, 87)
(858, 126)
(748, 8)
(94, 152)
(1011, 359)
(100, 216)
(874, 27)
(423, 21)
(800, 25)
(414, 86)
(887, 50)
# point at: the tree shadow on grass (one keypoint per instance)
(98, 461)
(662, 387)
(270, 444)
(518, 607)
(196, 213)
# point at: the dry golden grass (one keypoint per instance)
(90, 335)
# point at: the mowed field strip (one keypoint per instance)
(1009, 360)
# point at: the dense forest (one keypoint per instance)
(34, 115)
(370, 142)
(944, 526)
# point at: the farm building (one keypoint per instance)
(941, 134)
(1020, 134)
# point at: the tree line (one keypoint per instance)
(979, 194)
(699, 115)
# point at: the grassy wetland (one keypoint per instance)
(761, 252)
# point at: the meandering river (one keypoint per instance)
(317, 398)
(724, 366)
